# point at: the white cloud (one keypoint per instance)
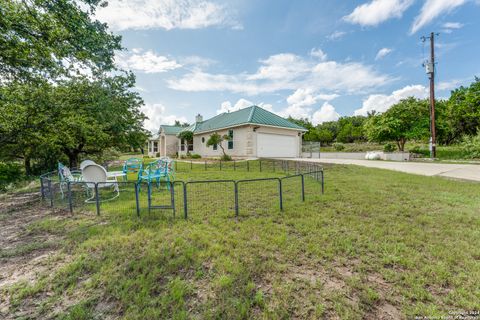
(242, 103)
(326, 113)
(301, 102)
(432, 9)
(286, 71)
(148, 62)
(448, 85)
(165, 14)
(318, 53)
(382, 53)
(448, 27)
(378, 11)
(196, 61)
(382, 102)
(336, 35)
(157, 116)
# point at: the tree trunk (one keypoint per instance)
(28, 165)
(401, 144)
(73, 159)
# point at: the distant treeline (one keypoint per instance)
(456, 119)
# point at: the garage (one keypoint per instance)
(276, 145)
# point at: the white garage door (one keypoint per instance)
(276, 145)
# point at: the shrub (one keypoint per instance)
(226, 157)
(471, 146)
(338, 146)
(10, 173)
(389, 147)
(195, 156)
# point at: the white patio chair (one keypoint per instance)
(93, 174)
(85, 163)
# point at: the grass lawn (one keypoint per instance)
(378, 244)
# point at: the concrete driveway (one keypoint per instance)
(455, 171)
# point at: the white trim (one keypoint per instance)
(249, 124)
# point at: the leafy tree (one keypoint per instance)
(95, 116)
(351, 129)
(186, 136)
(49, 38)
(74, 117)
(462, 114)
(178, 123)
(311, 134)
(408, 119)
(216, 139)
(324, 136)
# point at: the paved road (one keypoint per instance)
(455, 171)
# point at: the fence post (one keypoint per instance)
(260, 164)
(69, 193)
(172, 196)
(234, 165)
(303, 187)
(220, 165)
(191, 165)
(280, 191)
(97, 200)
(41, 189)
(205, 165)
(137, 202)
(286, 166)
(176, 168)
(50, 192)
(323, 185)
(248, 166)
(236, 198)
(185, 205)
(149, 198)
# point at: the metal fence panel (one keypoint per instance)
(210, 197)
(259, 196)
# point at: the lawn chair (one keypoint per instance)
(93, 174)
(156, 171)
(85, 163)
(132, 165)
(65, 176)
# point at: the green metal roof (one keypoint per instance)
(171, 129)
(250, 115)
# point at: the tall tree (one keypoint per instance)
(406, 120)
(95, 115)
(51, 38)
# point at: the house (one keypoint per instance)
(254, 133)
(165, 143)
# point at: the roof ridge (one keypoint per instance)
(250, 116)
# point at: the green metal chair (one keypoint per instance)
(65, 176)
(156, 171)
(132, 165)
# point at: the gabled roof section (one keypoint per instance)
(171, 129)
(250, 115)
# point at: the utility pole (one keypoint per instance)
(430, 70)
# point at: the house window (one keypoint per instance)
(182, 145)
(203, 139)
(155, 146)
(230, 139)
(214, 147)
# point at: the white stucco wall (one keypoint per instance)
(240, 142)
(244, 141)
(171, 142)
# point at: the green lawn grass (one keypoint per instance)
(377, 243)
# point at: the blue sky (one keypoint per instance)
(315, 59)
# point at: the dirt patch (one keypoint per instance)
(24, 255)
